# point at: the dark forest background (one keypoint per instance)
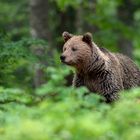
(36, 99)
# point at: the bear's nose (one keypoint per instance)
(62, 57)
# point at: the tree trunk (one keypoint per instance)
(125, 15)
(126, 46)
(39, 16)
(82, 24)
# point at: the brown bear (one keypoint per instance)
(97, 68)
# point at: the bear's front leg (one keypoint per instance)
(111, 92)
(78, 80)
(111, 97)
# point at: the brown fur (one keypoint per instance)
(98, 69)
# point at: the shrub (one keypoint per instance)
(63, 113)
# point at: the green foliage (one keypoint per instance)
(67, 114)
(103, 15)
(55, 111)
(13, 21)
(17, 58)
(64, 4)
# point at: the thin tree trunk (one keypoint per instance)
(79, 19)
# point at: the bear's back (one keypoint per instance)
(131, 73)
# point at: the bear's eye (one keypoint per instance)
(74, 49)
(64, 49)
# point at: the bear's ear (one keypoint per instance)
(66, 36)
(87, 37)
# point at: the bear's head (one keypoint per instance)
(77, 50)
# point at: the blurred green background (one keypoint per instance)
(36, 99)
